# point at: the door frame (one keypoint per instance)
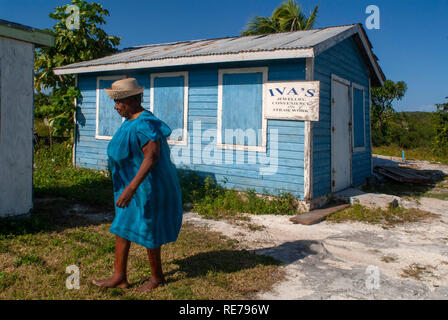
(346, 82)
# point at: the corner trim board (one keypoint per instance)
(308, 143)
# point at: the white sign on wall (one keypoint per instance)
(292, 100)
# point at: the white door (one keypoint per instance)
(340, 134)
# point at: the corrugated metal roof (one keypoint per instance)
(269, 42)
(307, 43)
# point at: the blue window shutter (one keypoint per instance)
(242, 104)
(358, 118)
(169, 101)
(109, 120)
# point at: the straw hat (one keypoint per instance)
(124, 88)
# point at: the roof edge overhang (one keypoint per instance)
(363, 42)
(37, 37)
(194, 60)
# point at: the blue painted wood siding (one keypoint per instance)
(241, 106)
(108, 118)
(169, 101)
(202, 106)
(343, 60)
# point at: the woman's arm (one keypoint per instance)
(151, 152)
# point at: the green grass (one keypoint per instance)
(443, 196)
(214, 201)
(54, 176)
(35, 251)
(199, 265)
(420, 153)
(390, 217)
(28, 259)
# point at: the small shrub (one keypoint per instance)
(390, 216)
(214, 201)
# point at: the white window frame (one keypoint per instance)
(115, 77)
(184, 74)
(359, 87)
(220, 144)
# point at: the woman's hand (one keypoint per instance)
(125, 197)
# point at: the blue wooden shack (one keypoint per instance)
(205, 89)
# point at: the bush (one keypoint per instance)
(407, 130)
(212, 200)
(440, 139)
(54, 175)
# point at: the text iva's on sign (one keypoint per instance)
(294, 100)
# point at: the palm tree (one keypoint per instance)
(288, 16)
(261, 25)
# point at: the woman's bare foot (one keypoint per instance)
(112, 283)
(151, 284)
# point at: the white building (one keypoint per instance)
(17, 43)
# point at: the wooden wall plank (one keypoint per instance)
(202, 106)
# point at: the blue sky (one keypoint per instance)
(411, 44)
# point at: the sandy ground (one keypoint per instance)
(351, 260)
(347, 260)
(339, 261)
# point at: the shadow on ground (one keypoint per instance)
(225, 261)
(293, 251)
(230, 261)
(55, 214)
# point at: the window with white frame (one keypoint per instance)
(241, 122)
(108, 120)
(169, 103)
(358, 118)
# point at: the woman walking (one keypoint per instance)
(148, 204)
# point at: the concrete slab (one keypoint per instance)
(369, 200)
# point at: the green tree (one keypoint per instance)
(87, 42)
(288, 16)
(440, 141)
(382, 110)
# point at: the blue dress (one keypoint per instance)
(154, 215)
